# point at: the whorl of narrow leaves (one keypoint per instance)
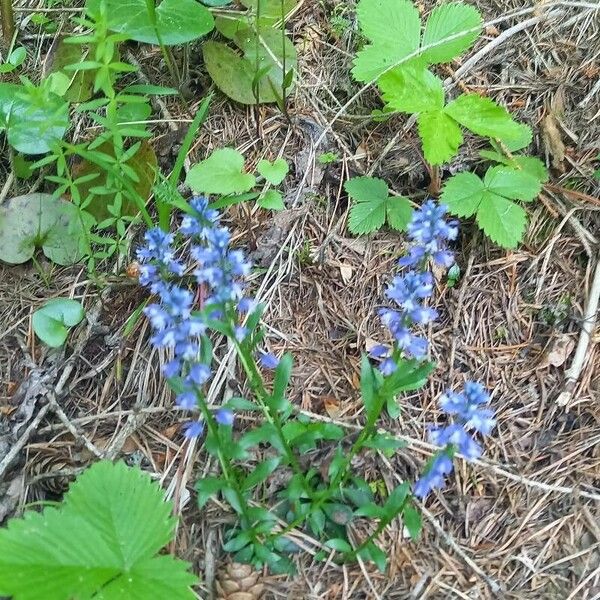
(101, 542)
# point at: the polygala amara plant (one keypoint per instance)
(323, 503)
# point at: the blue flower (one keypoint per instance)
(187, 400)
(224, 417)
(466, 405)
(175, 326)
(193, 429)
(268, 360)
(456, 435)
(388, 366)
(434, 477)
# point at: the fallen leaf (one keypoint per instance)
(346, 271)
(332, 406)
(558, 352)
(552, 140)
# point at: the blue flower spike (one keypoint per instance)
(176, 328)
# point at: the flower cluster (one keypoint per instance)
(429, 234)
(217, 270)
(469, 412)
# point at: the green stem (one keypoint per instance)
(230, 478)
(256, 383)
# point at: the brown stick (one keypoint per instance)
(7, 16)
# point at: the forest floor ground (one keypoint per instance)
(524, 520)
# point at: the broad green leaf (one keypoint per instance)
(412, 89)
(262, 57)
(208, 487)
(395, 501)
(462, 194)
(260, 473)
(17, 56)
(412, 520)
(448, 21)
(520, 139)
(221, 173)
(156, 577)
(273, 172)
(283, 373)
(100, 189)
(484, 117)
(440, 136)
(372, 206)
(399, 212)
(136, 520)
(393, 27)
(272, 200)
(51, 322)
(512, 183)
(502, 221)
(339, 544)
(100, 543)
(532, 166)
(41, 221)
(34, 119)
(174, 21)
(385, 443)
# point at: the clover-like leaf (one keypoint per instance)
(446, 22)
(51, 323)
(272, 200)
(221, 173)
(171, 22)
(273, 172)
(484, 117)
(102, 542)
(41, 221)
(440, 135)
(373, 205)
(394, 29)
(491, 199)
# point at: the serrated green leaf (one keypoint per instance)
(393, 27)
(532, 166)
(512, 183)
(99, 544)
(173, 22)
(502, 221)
(273, 172)
(399, 212)
(522, 137)
(136, 520)
(157, 577)
(373, 206)
(411, 89)
(463, 193)
(440, 136)
(221, 173)
(448, 21)
(484, 117)
(272, 200)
